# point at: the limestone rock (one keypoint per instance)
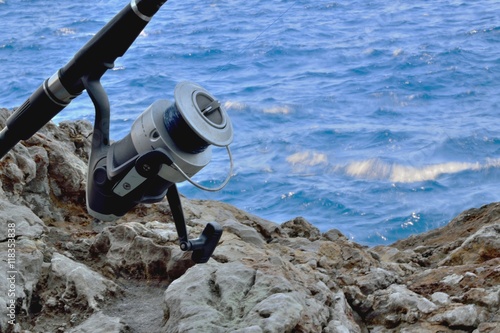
(101, 323)
(134, 251)
(207, 211)
(436, 244)
(397, 305)
(20, 278)
(487, 328)
(246, 233)
(47, 173)
(477, 248)
(376, 279)
(78, 285)
(20, 219)
(440, 298)
(463, 317)
(236, 296)
(74, 274)
(300, 227)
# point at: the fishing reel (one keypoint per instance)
(168, 143)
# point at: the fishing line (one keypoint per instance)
(251, 42)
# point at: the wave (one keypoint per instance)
(377, 169)
(234, 105)
(277, 109)
(65, 31)
(307, 158)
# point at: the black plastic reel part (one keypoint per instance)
(203, 247)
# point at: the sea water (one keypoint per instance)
(377, 118)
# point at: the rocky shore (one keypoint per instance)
(70, 273)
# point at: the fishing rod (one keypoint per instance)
(92, 60)
(167, 144)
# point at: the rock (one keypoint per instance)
(74, 274)
(376, 279)
(440, 298)
(208, 211)
(407, 256)
(20, 219)
(487, 328)
(436, 244)
(299, 227)
(342, 317)
(101, 323)
(344, 254)
(452, 279)
(220, 297)
(461, 317)
(397, 305)
(47, 173)
(246, 233)
(480, 296)
(477, 248)
(334, 235)
(132, 250)
(21, 276)
(78, 285)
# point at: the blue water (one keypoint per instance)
(378, 118)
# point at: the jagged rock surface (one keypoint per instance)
(75, 274)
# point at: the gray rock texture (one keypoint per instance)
(70, 273)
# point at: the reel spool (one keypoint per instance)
(185, 129)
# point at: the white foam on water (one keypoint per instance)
(394, 172)
(307, 158)
(278, 110)
(65, 31)
(234, 105)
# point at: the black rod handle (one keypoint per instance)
(93, 59)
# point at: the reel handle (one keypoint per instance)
(203, 247)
